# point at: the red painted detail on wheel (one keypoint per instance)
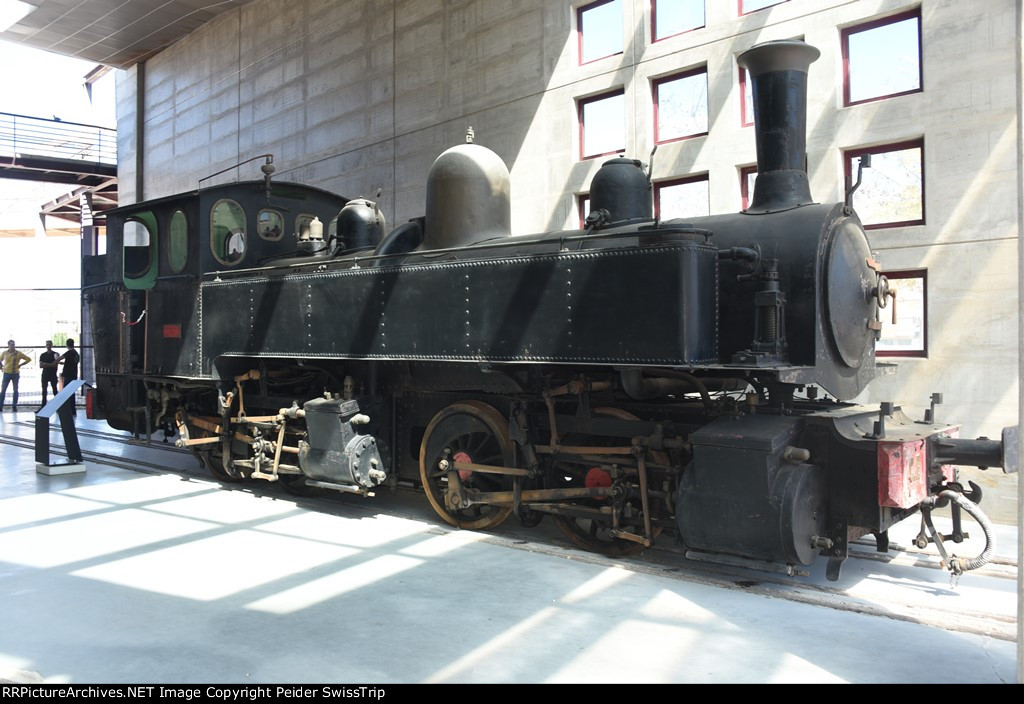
(597, 478)
(464, 474)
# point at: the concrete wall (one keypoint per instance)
(361, 95)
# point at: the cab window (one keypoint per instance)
(332, 235)
(139, 245)
(270, 225)
(302, 225)
(177, 242)
(227, 232)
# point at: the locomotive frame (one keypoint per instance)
(628, 380)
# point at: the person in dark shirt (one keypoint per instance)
(70, 371)
(70, 359)
(48, 363)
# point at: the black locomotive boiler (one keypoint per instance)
(634, 380)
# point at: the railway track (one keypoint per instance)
(665, 560)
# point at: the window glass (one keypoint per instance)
(747, 96)
(681, 106)
(600, 30)
(227, 232)
(747, 176)
(891, 193)
(748, 6)
(670, 17)
(883, 58)
(137, 236)
(683, 198)
(908, 337)
(270, 225)
(302, 225)
(139, 248)
(583, 208)
(177, 242)
(603, 125)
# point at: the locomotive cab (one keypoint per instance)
(142, 294)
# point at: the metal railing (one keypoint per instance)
(56, 139)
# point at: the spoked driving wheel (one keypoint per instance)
(469, 431)
(210, 454)
(592, 533)
(212, 459)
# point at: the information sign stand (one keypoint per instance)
(63, 406)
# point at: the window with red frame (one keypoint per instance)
(891, 193)
(682, 198)
(672, 17)
(748, 6)
(908, 336)
(599, 28)
(746, 99)
(882, 58)
(681, 105)
(602, 121)
(747, 176)
(583, 207)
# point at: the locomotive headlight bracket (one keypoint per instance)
(883, 292)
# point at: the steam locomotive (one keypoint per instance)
(634, 379)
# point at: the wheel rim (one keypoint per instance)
(471, 431)
(212, 460)
(587, 533)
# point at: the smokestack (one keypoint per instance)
(778, 75)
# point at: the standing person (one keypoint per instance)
(70, 359)
(48, 363)
(12, 361)
(70, 371)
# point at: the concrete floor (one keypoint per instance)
(119, 576)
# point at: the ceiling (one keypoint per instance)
(117, 33)
(111, 33)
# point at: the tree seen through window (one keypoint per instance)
(892, 190)
(681, 105)
(682, 198)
